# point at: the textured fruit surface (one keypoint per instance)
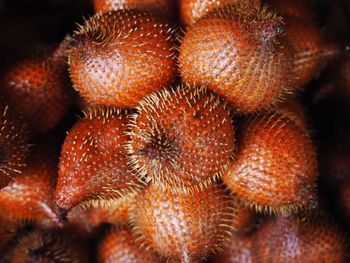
(239, 249)
(181, 138)
(117, 58)
(13, 144)
(192, 10)
(120, 246)
(295, 239)
(239, 53)
(275, 165)
(184, 227)
(295, 8)
(311, 51)
(164, 8)
(29, 197)
(46, 247)
(93, 161)
(85, 219)
(39, 88)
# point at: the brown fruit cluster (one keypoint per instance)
(184, 145)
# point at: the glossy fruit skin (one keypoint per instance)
(192, 10)
(13, 144)
(275, 166)
(46, 247)
(39, 88)
(175, 225)
(181, 139)
(296, 8)
(238, 52)
(295, 238)
(163, 8)
(119, 245)
(119, 57)
(93, 162)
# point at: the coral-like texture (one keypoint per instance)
(181, 138)
(184, 227)
(275, 167)
(117, 58)
(93, 161)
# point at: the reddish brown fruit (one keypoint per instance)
(311, 51)
(163, 8)
(296, 8)
(181, 138)
(29, 197)
(13, 144)
(45, 247)
(119, 57)
(120, 246)
(85, 220)
(240, 249)
(275, 167)
(293, 109)
(238, 52)
(192, 10)
(93, 161)
(185, 227)
(39, 88)
(297, 239)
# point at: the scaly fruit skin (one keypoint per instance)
(85, 219)
(46, 246)
(240, 249)
(192, 10)
(93, 161)
(119, 57)
(184, 227)
(39, 88)
(309, 239)
(29, 197)
(119, 245)
(238, 52)
(311, 51)
(275, 167)
(13, 144)
(182, 138)
(163, 8)
(296, 8)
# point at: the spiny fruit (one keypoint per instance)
(13, 144)
(29, 197)
(293, 109)
(184, 227)
(275, 166)
(296, 8)
(117, 58)
(46, 246)
(311, 51)
(163, 8)
(240, 53)
(239, 249)
(300, 238)
(39, 87)
(93, 161)
(192, 10)
(86, 219)
(119, 245)
(182, 138)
